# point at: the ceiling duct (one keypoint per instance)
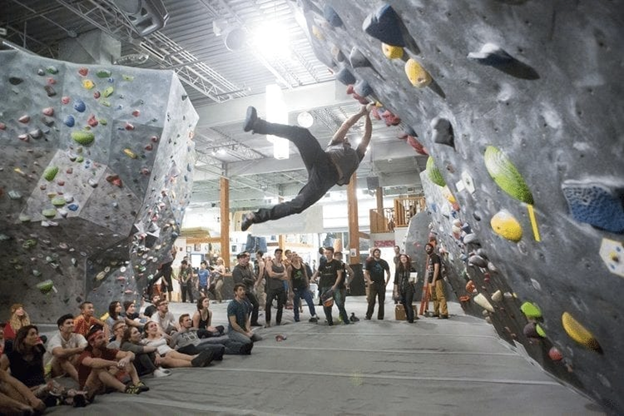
(146, 16)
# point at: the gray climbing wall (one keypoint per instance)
(95, 174)
(519, 105)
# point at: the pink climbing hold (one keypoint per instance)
(136, 113)
(24, 119)
(65, 100)
(48, 111)
(83, 71)
(96, 95)
(129, 126)
(555, 354)
(92, 121)
(2, 126)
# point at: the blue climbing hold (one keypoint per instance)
(345, 76)
(385, 26)
(80, 106)
(72, 207)
(362, 88)
(596, 204)
(331, 16)
(69, 121)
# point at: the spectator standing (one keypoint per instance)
(374, 274)
(243, 273)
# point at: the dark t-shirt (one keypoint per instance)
(433, 259)
(297, 277)
(243, 275)
(84, 371)
(241, 311)
(376, 269)
(28, 372)
(275, 283)
(329, 273)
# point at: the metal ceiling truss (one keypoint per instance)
(107, 17)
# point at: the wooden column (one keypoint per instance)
(224, 196)
(354, 224)
(379, 196)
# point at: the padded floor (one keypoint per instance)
(432, 367)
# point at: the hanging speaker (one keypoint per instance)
(146, 16)
(372, 183)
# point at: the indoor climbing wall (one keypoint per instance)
(95, 174)
(517, 105)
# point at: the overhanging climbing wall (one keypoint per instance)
(519, 105)
(95, 174)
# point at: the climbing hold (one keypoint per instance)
(65, 100)
(506, 175)
(108, 91)
(530, 330)
(24, 119)
(531, 310)
(317, 33)
(48, 111)
(46, 286)
(2, 126)
(127, 77)
(115, 180)
(470, 287)
(492, 55)
(36, 133)
(331, 16)
(417, 74)
(58, 201)
(83, 71)
(362, 88)
(392, 52)
(358, 59)
(555, 354)
(50, 90)
(540, 331)
(49, 213)
(476, 260)
(88, 84)
(497, 296)
(73, 207)
(483, 302)
(92, 121)
(50, 173)
(69, 121)
(15, 80)
(14, 195)
(578, 332)
(130, 153)
(103, 73)
(80, 106)
(596, 204)
(345, 76)
(136, 113)
(52, 70)
(385, 26)
(434, 173)
(506, 225)
(443, 132)
(82, 137)
(420, 149)
(612, 254)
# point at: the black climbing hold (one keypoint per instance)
(345, 76)
(331, 16)
(385, 26)
(443, 132)
(362, 88)
(357, 58)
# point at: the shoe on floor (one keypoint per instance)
(203, 359)
(132, 389)
(161, 372)
(250, 119)
(314, 319)
(443, 317)
(246, 349)
(142, 387)
(247, 221)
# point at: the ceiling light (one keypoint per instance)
(272, 39)
(305, 119)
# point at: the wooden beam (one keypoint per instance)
(224, 196)
(354, 226)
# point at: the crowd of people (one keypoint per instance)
(116, 352)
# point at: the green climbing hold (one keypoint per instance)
(50, 173)
(506, 175)
(46, 286)
(49, 213)
(80, 159)
(531, 310)
(58, 201)
(24, 218)
(108, 91)
(434, 173)
(36, 273)
(83, 137)
(30, 243)
(103, 73)
(127, 77)
(52, 70)
(105, 103)
(540, 331)
(103, 121)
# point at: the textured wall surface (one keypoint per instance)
(519, 105)
(95, 174)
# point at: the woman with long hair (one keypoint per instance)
(114, 314)
(202, 319)
(132, 317)
(404, 288)
(146, 360)
(26, 364)
(218, 273)
(171, 358)
(19, 319)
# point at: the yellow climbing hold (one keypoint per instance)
(506, 225)
(317, 33)
(392, 52)
(130, 153)
(446, 192)
(578, 333)
(88, 84)
(417, 74)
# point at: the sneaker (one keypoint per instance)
(142, 387)
(250, 119)
(203, 359)
(443, 317)
(161, 372)
(80, 400)
(132, 389)
(247, 221)
(246, 349)
(314, 319)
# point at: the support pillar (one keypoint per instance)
(354, 225)
(224, 196)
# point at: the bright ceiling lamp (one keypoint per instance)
(272, 39)
(276, 112)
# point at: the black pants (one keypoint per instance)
(322, 173)
(407, 298)
(255, 307)
(164, 272)
(376, 291)
(280, 294)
